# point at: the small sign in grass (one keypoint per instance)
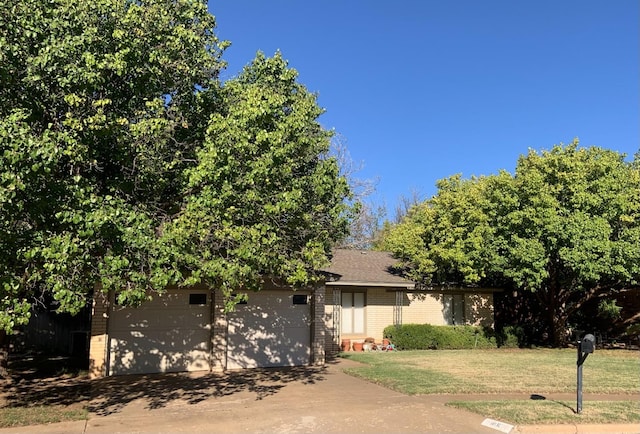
(38, 415)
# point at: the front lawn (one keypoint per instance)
(513, 371)
(534, 371)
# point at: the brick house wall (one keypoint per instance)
(379, 312)
(423, 308)
(218, 360)
(479, 309)
(318, 326)
(430, 309)
(332, 334)
(417, 308)
(98, 340)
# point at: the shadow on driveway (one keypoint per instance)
(113, 393)
(30, 386)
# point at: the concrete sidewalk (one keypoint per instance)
(298, 400)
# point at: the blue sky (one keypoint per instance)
(420, 90)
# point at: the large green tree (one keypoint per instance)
(565, 226)
(265, 199)
(95, 99)
(126, 163)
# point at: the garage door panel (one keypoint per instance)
(159, 339)
(296, 316)
(268, 351)
(269, 331)
(159, 319)
(140, 353)
(165, 335)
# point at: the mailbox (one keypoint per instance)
(588, 344)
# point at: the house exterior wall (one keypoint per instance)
(332, 334)
(379, 312)
(99, 337)
(318, 326)
(424, 309)
(479, 309)
(218, 333)
(433, 309)
(417, 308)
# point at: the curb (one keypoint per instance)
(578, 429)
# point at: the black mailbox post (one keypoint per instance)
(585, 347)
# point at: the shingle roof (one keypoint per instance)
(364, 268)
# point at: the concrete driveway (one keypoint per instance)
(292, 401)
(309, 400)
(296, 400)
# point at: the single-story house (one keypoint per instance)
(188, 330)
(364, 295)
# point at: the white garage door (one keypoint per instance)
(168, 334)
(272, 329)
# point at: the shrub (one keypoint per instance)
(412, 336)
(431, 337)
(511, 337)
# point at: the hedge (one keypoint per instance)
(431, 337)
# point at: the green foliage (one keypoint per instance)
(609, 309)
(449, 237)
(431, 337)
(264, 193)
(127, 164)
(634, 331)
(94, 96)
(511, 337)
(576, 219)
(565, 226)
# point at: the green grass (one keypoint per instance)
(37, 415)
(513, 371)
(554, 412)
(499, 371)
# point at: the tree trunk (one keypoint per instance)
(557, 315)
(559, 328)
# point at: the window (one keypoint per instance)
(198, 299)
(353, 304)
(300, 299)
(453, 310)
